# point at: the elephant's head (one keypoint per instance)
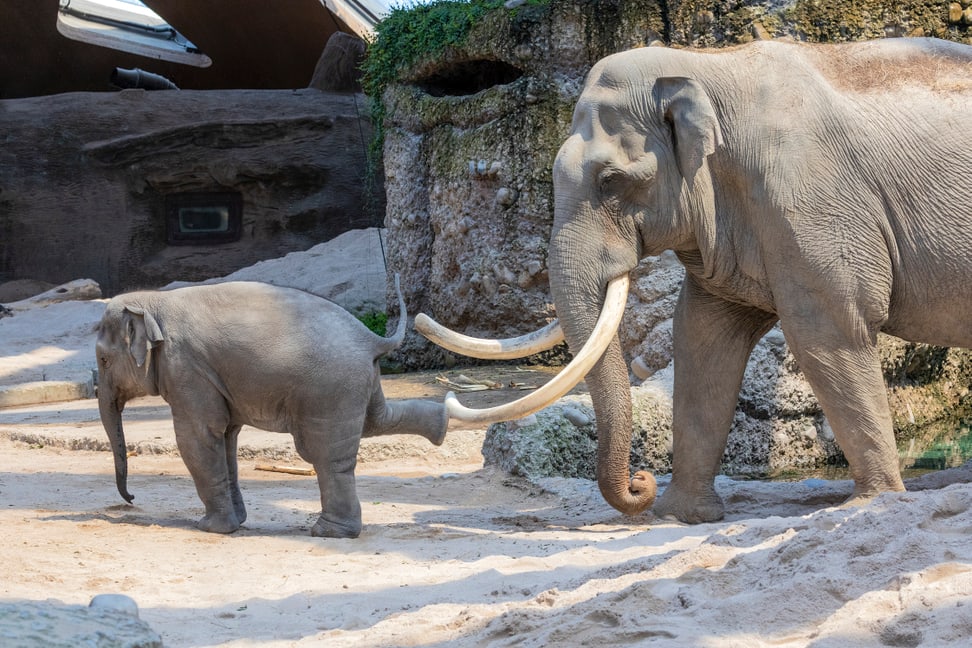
(127, 337)
(631, 180)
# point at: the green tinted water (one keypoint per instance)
(948, 449)
(940, 446)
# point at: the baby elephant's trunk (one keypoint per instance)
(424, 418)
(112, 421)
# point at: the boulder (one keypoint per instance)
(109, 621)
(349, 270)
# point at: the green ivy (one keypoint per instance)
(406, 36)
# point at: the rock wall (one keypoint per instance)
(109, 621)
(85, 179)
(470, 136)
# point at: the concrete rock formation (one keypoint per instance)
(110, 621)
(470, 137)
(89, 181)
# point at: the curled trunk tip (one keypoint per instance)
(634, 498)
(122, 488)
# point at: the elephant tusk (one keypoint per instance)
(506, 349)
(604, 331)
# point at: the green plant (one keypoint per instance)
(406, 36)
(376, 322)
(410, 33)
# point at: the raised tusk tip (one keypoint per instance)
(428, 327)
(452, 405)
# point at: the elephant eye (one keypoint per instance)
(608, 182)
(611, 186)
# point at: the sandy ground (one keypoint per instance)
(456, 554)
(452, 553)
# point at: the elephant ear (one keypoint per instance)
(143, 333)
(695, 128)
(696, 135)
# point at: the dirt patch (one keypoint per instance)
(455, 554)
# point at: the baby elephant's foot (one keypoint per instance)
(219, 523)
(325, 528)
(689, 507)
(439, 423)
(239, 508)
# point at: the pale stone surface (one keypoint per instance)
(349, 270)
(54, 625)
(77, 290)
(50, 391)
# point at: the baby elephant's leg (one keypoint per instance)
(424, 418)
(203, 449)
(232, 438)
(334, 455)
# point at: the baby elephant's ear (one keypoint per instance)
(143, 333)
(695, 127)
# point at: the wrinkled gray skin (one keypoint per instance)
(826, 187)
(246, 353)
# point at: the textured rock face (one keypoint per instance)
(778, 425)
(470, 203)
(88, 180)
(470, 140)
(105, 623)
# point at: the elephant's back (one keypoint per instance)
(286, 322)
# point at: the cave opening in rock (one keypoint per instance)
(468, 77)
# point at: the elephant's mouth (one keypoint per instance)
(607, 325)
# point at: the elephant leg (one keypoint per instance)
(332, 448)
(421, 417)
(713, 340)
(844, 371)
(232, 438)
(203, 449)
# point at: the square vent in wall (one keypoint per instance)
(194, 218)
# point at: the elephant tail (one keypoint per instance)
(389, 344)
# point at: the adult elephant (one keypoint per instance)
(821, 186)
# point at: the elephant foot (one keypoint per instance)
(239, 508)
(325, 528)
(863, 495)
(219, 523)
(691, 508)
(428, 419)
(437, 432)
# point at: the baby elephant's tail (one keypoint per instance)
(395, 341)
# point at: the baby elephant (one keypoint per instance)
(246, 353)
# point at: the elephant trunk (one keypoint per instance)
(611, 395)
(112, 421)
(578, 295)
